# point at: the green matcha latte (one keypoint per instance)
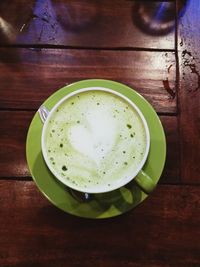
(95, 141)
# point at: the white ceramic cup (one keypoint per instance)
(142, 179)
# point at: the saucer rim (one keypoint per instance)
(128, 92)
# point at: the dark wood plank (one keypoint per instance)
(162, 231)
(189, 95)
(13, 131)
(171, 173)
(86, 23)
(29, 76)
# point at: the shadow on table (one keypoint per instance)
(76, 16)
(157, 18)
(101, 205)
(13, 16)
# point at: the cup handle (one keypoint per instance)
(145, 182)
(43, 112)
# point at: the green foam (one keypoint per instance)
(83, 126)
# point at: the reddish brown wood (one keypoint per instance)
(162, 231)
(13, 131)
(189, 95)
(79, 23)
(171, 173)
(29, 76)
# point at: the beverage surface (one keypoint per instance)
(94, 140)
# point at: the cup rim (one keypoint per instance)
(119, 184)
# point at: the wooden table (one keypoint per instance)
(45, 45)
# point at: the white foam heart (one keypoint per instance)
(94, 138)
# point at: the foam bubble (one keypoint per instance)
(101, 134)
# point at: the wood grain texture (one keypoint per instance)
(189, 95)
(171, 173)
(34, 233)
(29, 76)
(100, 39)
(86, 23)
(13, 131)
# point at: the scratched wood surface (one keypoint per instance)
(90, 24)
(152, 46)
(189, 93)
(29, 76)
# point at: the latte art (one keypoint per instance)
(93, 140)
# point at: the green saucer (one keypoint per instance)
(107, 204)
